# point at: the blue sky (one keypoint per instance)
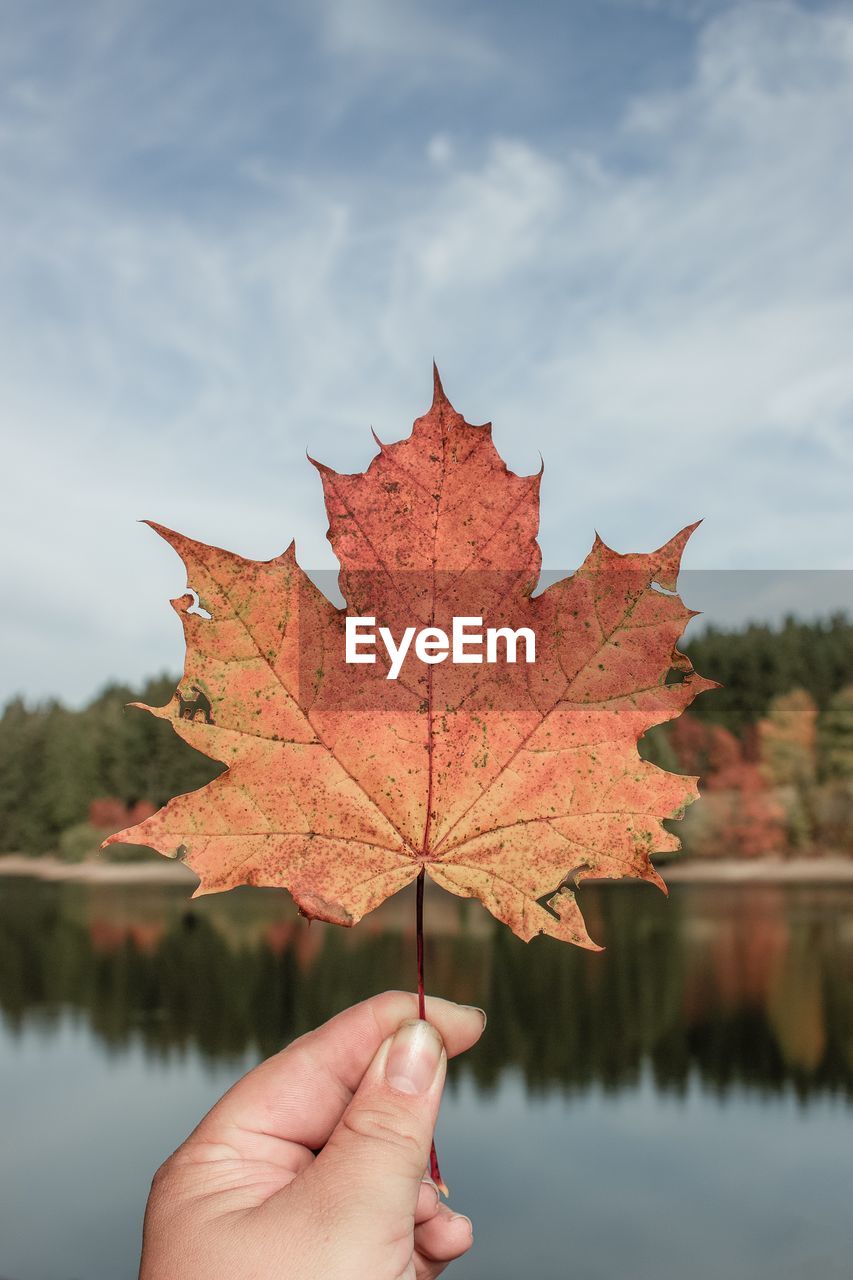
(229, 234)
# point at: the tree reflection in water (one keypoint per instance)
(746, 985)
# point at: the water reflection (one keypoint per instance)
(747, 986)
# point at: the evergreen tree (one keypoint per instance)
(836, 736)
(759, 662)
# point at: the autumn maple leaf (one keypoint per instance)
(510, 782)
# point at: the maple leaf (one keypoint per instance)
(511, 782)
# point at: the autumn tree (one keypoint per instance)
(787, 738)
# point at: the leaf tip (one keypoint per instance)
(321, 466)
(667, 558)
(162, 529)
(438, 394)
(315, 907)
(654, 877)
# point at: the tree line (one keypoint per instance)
(775, 745)
(55, 763)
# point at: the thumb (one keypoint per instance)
(376, 1157)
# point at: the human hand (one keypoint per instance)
(312, 1166)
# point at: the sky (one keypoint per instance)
(233, 234)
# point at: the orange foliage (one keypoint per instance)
(510, 782)
(107, 812)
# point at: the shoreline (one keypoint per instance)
(46, 867)
(828, 870)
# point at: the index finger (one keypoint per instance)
(300, 1094)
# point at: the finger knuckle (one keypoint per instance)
(384, 1125)
(162, 1179)
(162, 1197)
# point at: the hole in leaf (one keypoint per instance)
(197, 606)
(543, 902)
(568, 882)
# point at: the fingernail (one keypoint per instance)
(473, 1008)
(461, 1217)
(428, 1182)
(414, 1057)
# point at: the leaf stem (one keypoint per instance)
(434, 1171)
(419, 916)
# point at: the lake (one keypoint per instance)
(679, 1105)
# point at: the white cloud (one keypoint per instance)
(440, 150)
(666, 319)
(400, 31)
